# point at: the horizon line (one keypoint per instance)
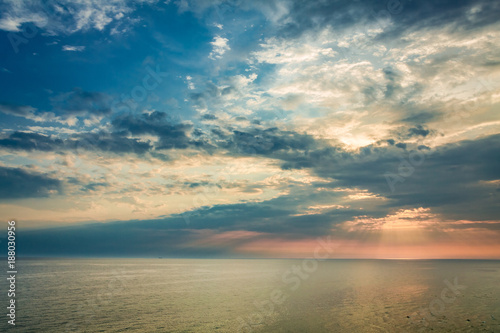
(31, 257)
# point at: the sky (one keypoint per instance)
(244, 129)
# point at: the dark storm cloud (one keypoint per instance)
(104, 142)
(315, 158)
(419, 130)
(132, 238)
(120, 239)
(420, 117)
(108, 142)
(284, 216)
(16, 110)
(306, 15)
(451, 180)
(392, 86)
(198, 100)
(208, 117)
(171, 135)
(295, 17)
(270, 141)
(80, 103)
(17, 183)
(406, 15)
(177, 235)
(31, 141)
(435, 14)
(211, 91)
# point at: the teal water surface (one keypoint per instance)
(231, 295)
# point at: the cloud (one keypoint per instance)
(350, 76)
(17, 110)
(129, 133)
(418, 131)
(219, 47)
(73, 48)
(190, 83)
(82, 142)
(211, 231)
(271, 142)
(18, 183)
(66, 107)
(281, 51)
(27, 112)
(402, 219)
(449, 179)
(31, 141)
(208, 116)
(65, 16)
(79, 102)
(77, 241)
(107, 143)
(298, 17)
(156, 123)
(225, 229)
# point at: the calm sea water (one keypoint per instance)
(181, 295)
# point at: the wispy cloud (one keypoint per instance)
(64, 16)
(73, 48)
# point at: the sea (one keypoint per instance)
(253, 295)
